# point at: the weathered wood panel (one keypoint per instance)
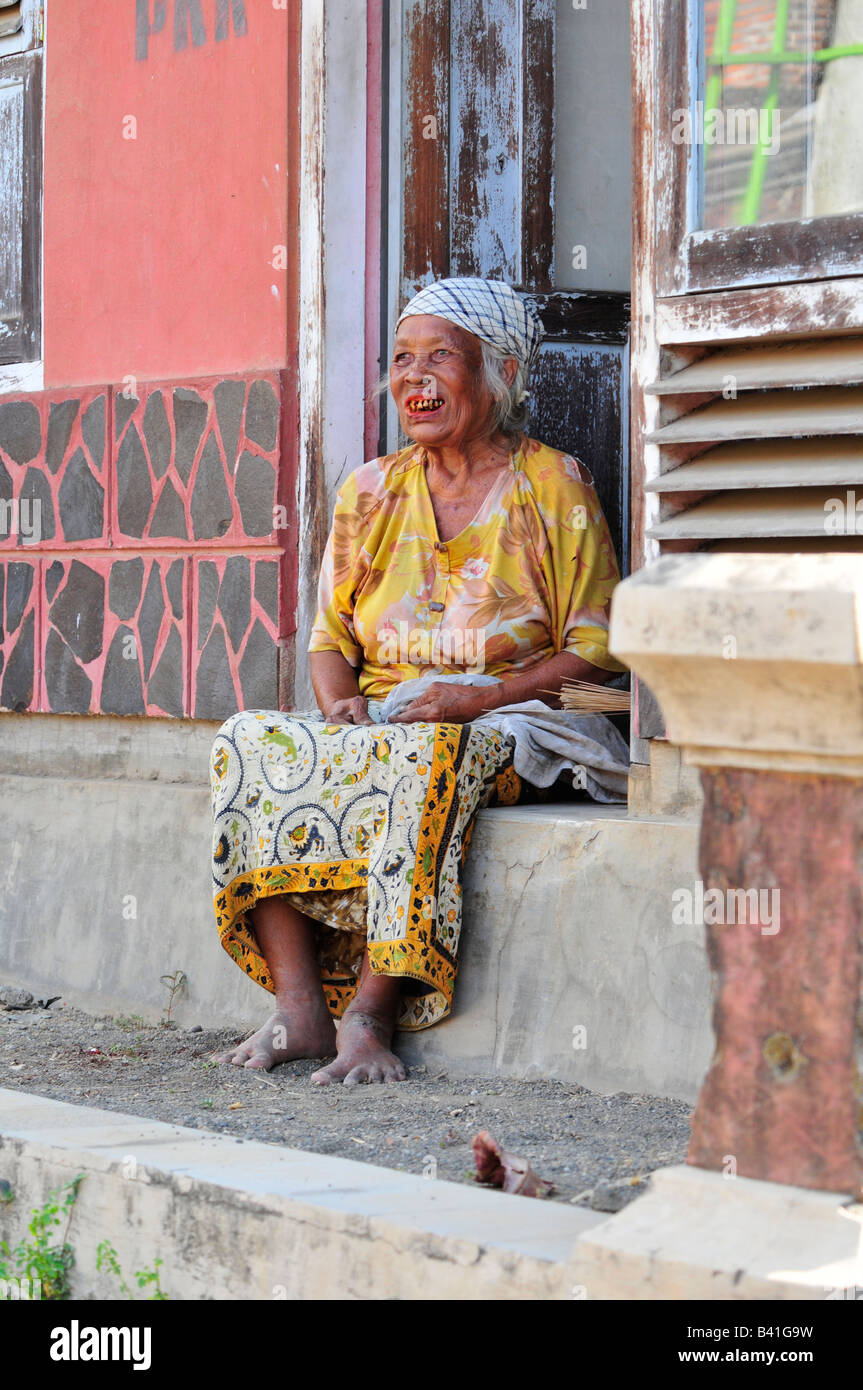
(538, 141)
(811, 308)
(485, 174)
(644, 412)
(585, 316)
(578, 396)
(426, 138)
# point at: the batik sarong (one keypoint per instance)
(365, 829)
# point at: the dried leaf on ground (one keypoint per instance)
(505, 1170)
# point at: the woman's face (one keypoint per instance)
(438, 383)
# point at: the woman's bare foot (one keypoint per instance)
(296, 1029)
(363, 1052)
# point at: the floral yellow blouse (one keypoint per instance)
(530, 576)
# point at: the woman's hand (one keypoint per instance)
(352, 710)
(445, 702)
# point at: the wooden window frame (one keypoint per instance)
(23, 340)
(694, 261)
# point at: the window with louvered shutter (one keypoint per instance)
(747, 400)
(749, 380)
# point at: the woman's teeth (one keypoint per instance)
(428, 403)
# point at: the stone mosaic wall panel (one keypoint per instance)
(19, 633)
(235, 609)
(156, 582)
(53, 471)
(197, 464)
(116, 636)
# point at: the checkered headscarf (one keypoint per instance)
(490, 309)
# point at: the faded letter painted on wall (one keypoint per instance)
(226, 17)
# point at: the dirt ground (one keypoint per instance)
(597, 1150)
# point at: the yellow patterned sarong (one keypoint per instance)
(364, 828)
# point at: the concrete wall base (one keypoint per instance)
(571, 964)
(237, 1220)
(701, 1235)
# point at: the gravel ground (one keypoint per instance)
(597, 1150)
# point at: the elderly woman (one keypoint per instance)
(340, 839)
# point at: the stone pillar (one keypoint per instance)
(756, 661)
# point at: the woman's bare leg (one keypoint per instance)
(301, 1025)
(365, 1034)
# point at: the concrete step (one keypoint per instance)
(571, 965)
(241, 1220)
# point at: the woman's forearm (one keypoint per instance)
(535, 683)
(334, 679)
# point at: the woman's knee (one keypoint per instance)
(231, 727)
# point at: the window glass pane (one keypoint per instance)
(593, 161)
(776, 124)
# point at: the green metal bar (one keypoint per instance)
(820, 55)
(758, 168)
(721, 43)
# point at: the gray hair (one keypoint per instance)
(511, 403)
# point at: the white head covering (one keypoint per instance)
(490, 309)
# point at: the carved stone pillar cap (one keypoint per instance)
(756, 659)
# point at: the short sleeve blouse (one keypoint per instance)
(532, 575)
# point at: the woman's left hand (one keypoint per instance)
(445, 702)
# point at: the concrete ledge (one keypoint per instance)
(701, 1235)
(568, 913)
(235, 1220)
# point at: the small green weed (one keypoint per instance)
(43, 1258)
(106, 1258)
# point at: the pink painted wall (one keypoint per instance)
(165, 190)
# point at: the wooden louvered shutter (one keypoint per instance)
(20, 26)
(761, 443)
(11, 18)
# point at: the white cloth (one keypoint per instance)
(547, 741)
(490, 309)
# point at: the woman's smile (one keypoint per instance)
(417, 406)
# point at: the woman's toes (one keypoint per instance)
(258, 1061)
(366, 1071)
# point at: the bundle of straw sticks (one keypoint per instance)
(587, 698)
